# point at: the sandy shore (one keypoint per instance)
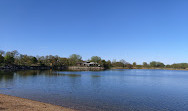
(11, 103)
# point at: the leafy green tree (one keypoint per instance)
(1, 56)
(1, 59)
(24, 60)
(109, 63)
(134, 64)
(118, 64)
(156, 64)
(153, 64)
(34, 60)
(95, 59)
(104, 64)
(145, 64)
(14, 53)
(180, 66)
(160, 64)
(168, 66)
(129, 66)
(74, 58)
(64, 61)
(123, 62)
(9, 59)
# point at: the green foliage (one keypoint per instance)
(156, 64)
(14, 58)
(129, 66)
(123, 62)
(34, 60)
(118, 64)
(24, 60)
(64, 61)
(1, 59)
(9, 58)
(95, 59)
(179, 66)
(168, 66)
(74, 58)
(153, 64)
(145, 64)
(134, 64)
(104, 64)
(109, 64)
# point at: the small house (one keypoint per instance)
(88, 64)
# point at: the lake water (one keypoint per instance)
(110, 90)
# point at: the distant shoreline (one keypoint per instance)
(151, 68)
(74, 68)
(12, 103)
(71, 68)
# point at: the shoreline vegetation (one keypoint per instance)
(153, 68)
(12, 60)
(12, 103)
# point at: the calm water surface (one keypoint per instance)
(111, 90)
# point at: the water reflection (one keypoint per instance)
(115, 90)
(95, 76)
(71, 75)
(33, 73)
(6, 75)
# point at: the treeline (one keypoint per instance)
(15, 58)
(11, 58)
(155, 64)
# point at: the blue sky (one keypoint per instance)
(134, 30)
